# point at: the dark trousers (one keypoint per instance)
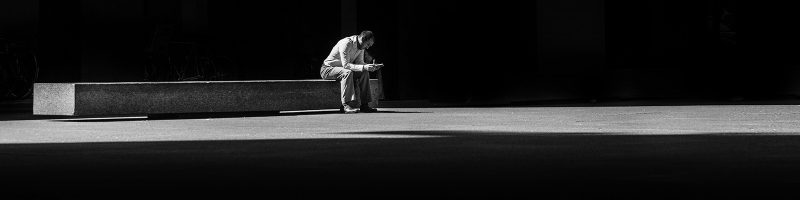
(354, 85)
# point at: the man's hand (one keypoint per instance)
(372, 67)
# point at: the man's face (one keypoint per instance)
(366, 44)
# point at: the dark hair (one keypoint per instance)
(366, 35)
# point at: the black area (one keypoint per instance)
(451, 52)
(445, 164)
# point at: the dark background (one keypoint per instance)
(461, 52)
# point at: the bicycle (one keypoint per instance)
(19, 69)
(169, 60)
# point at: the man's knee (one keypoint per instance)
(346, 73)
(365, 74)
(361, 74)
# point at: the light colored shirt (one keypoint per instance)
(346, 54)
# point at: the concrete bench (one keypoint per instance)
(149, 98)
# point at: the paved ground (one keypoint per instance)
(573, 152)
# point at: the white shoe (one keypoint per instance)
(348, 110)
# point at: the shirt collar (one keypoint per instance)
(354, 39)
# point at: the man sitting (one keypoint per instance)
(346, 64)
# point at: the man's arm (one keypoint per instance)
(344, 58)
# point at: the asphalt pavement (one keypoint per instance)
(636, 152)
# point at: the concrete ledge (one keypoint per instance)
(134, 98)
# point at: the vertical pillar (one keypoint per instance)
(349, 17)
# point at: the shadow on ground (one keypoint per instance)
(442, 164)
(122, 118)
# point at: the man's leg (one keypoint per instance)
(362, 87)
(363, 91)
(345, 78)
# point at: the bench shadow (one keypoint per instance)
(218, 115)
(446, 163)
(394, 111)
(20, 116)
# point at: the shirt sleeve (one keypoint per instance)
(345, 58)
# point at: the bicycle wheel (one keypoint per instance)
(24, 73)
(5, 78)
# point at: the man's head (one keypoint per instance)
(365, 39)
